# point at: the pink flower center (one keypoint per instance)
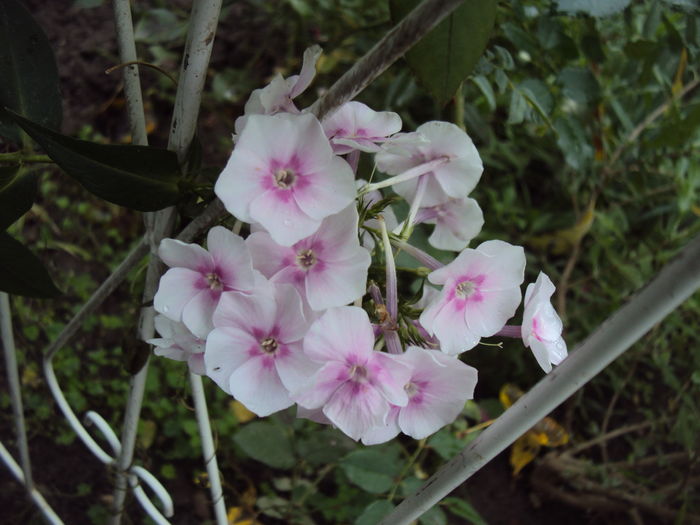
(465, 289)
(214, 281)
(285, 178)
(358, 373)
(269, 345)
(306, 259)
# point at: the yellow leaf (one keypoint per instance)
(243, 415)
(677, 86)
(563, 241)
(549, 433)
(523, 452)
(147, 433)
(30, 377)
(696, 210)
(509, 394)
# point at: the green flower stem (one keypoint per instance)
(677, 281)
(20, 157)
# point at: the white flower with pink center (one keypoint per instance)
(190, 290)
(284, 175)
(356, 126)
(277, 96)
(457, 221)
(481, 291)
(439, 156)
(329, 268)
(255, 350)
(178, 343)
(437, 390)
(355, 385)
(542, 327)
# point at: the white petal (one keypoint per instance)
(257, 385)
(176, 253)
(339, 334)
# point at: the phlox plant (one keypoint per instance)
(286, 314)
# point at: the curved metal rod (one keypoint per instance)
(94, 418)
(158, 489)
(36, 496)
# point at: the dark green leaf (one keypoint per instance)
(677, 132)
(464, 509)
(138, 177)
(445, 444)
(446, 55)
(374, 512)
(17, 193)
(28, 73)
(267, 443)
(372, 469)
(593, 7)
(434, 516)
(21, 273)
(579, 85)
(537, 93)
(573, 142)
(324, 446)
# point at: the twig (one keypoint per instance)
(676, 282)
(384, 53)
(112, 69)
(609, 411)
(607, 437)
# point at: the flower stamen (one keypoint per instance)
(306, 259)
(285, 178)
(214, 281)
(269, 345)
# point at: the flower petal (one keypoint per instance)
(340, 334)
(257, 385)
(226, 350)
(176, 288)
(231, 258)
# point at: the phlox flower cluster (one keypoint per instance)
(275, 317)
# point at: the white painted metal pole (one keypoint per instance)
(8, 346)
(677, 281)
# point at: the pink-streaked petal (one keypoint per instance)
(257, 385)
(254, 313)
(460, 221)
(338, 283)
(295, 369)
(195, 362)
(268, 256)
(198, 312)
(384, 432)
(291, 324)
(308, 70)
(434, 194)
(459, 176)
(226, 350)
(340, 334)
(321, 385)
(505, 263)
(164, 326)
(327, 190)
(176, 253)
(231, 258)
(541, 353)
(454, 334)
(316, 415)
(389, 375)
(283, 219)
(355, 408)
(336, 238)
(431, 311)
(344, 146)
(241, 181)
(488, 315)
(177, 288)
(163, 348)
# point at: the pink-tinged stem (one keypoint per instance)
(353, 159)
(414, 172)
(419, 255)
(392, 295)
(510, 331)
(393, 343)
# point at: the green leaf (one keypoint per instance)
(464, 509)
(579, 85)
(434, 516)
(574, 142)
(485, 86)
(324, 446)
(28, 70)
(372, 469)
(678, 132)
(21, 273)
(138, 177)
(18, 187)
(374, 512)
(445, 444)
(593, 7)
(448, 54)
(267, 443)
